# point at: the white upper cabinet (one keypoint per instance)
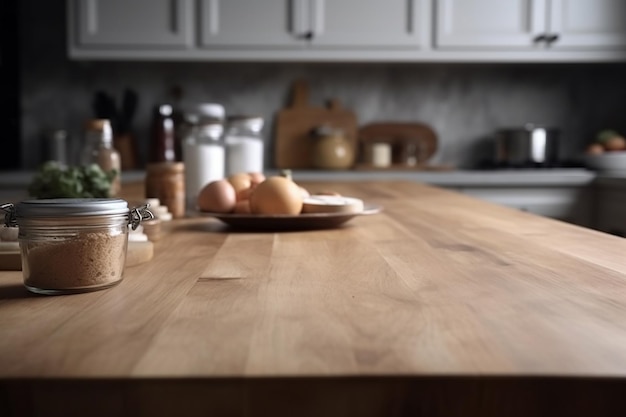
(530, 24)
(310, 23)
(349, 30)
(133, 23)
(490, 23)
(245, 23)
(365, 23)
(578, 24)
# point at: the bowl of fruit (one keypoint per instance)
(607, 153)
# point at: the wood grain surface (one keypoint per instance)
(440, 305)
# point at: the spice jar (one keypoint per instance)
(244, 145)
(56, 146)
(73, 245)
(162, 146)
(98, 149)
(331, 149)
(381, 154)
(166, 181)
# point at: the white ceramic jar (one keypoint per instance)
(204, 158)
(244, 144)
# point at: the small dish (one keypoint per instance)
(302, 221)
(608, 162)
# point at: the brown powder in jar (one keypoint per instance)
(86, 260)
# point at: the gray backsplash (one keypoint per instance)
(464, 103)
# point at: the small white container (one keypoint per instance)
(204, 157)
(244, 144)
(381, 154)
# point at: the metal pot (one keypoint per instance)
(527, 146)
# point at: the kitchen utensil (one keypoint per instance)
(294, 125)
(529, 145)
(412, 144)
(124, 140)
(127, 112)
(104, 107)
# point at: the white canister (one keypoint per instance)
(204, 158)
(381, 154)
(244, 145)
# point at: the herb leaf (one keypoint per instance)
(55, 180)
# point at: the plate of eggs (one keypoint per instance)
(253, 201)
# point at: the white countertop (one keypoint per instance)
(464, 178)
(19, 180)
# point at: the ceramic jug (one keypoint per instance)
(331, 149)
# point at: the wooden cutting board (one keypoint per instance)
(293, 141)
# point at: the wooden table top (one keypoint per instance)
(438, 287)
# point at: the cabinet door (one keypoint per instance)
(581, 24)
(609, 214)
(245, 23)
(571, 204)
(365, 23)
(135, 23)
(490, 23)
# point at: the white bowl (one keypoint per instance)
(607, 162)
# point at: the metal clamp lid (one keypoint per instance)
(9, 214)
(135, 215)
(139, 214)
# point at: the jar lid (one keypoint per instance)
(165, 167)
(211, 111)
(252, 122)
(64, 207)
(210, 130)
(165, 110)
(99, 125)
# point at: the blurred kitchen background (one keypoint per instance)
(463, 102)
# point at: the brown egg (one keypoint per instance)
(242, 207)
(616, 143)
(595, 149)
(305, 193)
(256, 177)
(276, 195)
(245, 193)
(240, 181)
(217, 197)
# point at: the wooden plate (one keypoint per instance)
(287, 222)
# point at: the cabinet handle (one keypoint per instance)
(553, 37)
(307, 35)
(540, 38)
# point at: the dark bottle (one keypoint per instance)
(163, 135)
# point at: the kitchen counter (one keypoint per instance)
(454, 178)
(442, 304)
(462, 178)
